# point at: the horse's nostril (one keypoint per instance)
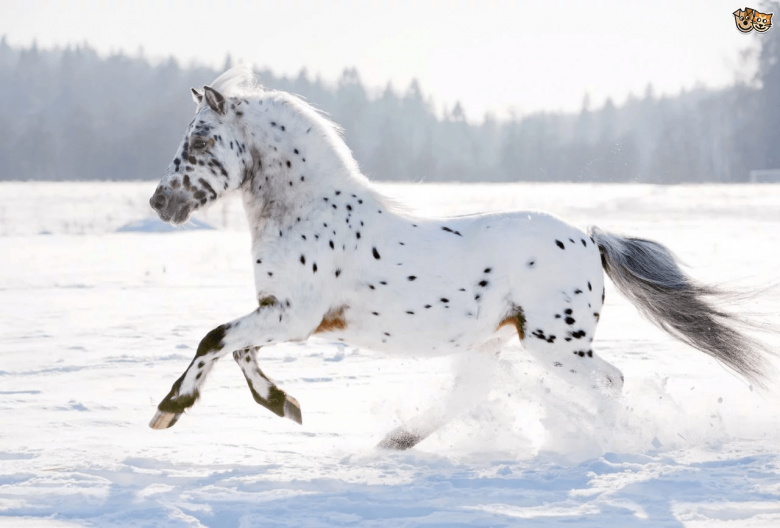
(158, 201)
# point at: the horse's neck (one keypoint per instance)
(297, 175)
(314, 212)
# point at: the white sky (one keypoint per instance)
(493, 56)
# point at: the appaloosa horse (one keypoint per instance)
(333, 257)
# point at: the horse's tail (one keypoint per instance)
(649, 275)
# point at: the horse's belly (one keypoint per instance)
(407, 338)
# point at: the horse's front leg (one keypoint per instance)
(268, 324)
(264, 391)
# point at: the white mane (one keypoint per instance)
(241, 82)
(236, 82)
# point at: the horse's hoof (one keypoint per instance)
(164, 420)
(400, 439)
(292, 409)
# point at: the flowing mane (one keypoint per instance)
(240, 82)
(237, 82)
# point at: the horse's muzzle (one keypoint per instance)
(170, 207)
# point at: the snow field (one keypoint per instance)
(95, 325)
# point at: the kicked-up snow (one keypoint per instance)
(96, 322)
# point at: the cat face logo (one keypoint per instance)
(762, 21)
(749, 19)
(744, 19)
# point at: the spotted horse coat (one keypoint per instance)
(333, 258)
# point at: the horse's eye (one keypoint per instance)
(198, 144)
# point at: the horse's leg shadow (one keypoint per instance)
(474, 373)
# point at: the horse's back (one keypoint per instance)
(534, 259)
(516, 242)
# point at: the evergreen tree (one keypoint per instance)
(72, 114)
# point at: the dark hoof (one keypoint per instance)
(400, 439)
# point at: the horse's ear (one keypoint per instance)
(214, 99)
(196, 96)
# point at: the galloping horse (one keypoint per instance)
(332, 257)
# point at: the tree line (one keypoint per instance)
(70, 114)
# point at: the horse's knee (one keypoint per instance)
(242, 355)
(214, 340)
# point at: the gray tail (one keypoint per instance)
(649, 275)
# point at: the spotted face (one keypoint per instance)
(744, 20)
(209, 162)
(762, 21)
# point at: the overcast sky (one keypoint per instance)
(493, 56)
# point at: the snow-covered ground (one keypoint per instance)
(96, 323)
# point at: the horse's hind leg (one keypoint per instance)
(264, 391)
(474, 372)
(576, 362)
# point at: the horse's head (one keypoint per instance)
(209, 162)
